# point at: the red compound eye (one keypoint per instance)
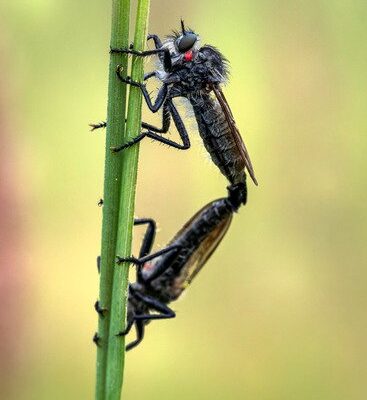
(188, 56)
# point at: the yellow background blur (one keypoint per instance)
(279, 312)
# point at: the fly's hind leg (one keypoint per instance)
(149, 236)
(180, 128)
(166, 121)
(127, 329)
(139, 325)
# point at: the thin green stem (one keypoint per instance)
(116, 346)
(112, 182)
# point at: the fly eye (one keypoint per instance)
(186, 42)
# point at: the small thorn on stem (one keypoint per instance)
(100, 310)
(97, 339)
(99, 125)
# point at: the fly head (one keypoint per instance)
(186, 43)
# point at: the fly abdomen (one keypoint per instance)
(197, 239)
(216, 133)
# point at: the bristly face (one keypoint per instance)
(184, 44)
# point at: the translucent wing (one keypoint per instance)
(200, 236)
(201, 255)
(235, 132)
(206, 249)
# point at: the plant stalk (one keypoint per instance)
(116, 109)
(116, 344)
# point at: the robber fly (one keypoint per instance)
(196, 73)
(162, 276)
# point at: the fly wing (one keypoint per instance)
(235, 132)
(203, 253)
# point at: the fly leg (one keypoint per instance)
(157, 41)
(148, 240)
(180, 128)
(162, 94)
(130, 50)
(140, 261)
(139, 326)
(162, 52)
(103, 124)
(127, 329)
(149, 236)
(156, 305)
(166, 120)
(165, 57)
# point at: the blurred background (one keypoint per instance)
(279, 311)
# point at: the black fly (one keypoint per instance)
(162, 276)
(196, 73)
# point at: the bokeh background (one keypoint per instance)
(279, 312)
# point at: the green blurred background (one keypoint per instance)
(279, 312)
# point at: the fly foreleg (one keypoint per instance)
(157, 41)
(162, 52)
(130, 50)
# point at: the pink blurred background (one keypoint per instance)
(279, 312)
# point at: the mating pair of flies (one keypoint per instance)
(195, 72)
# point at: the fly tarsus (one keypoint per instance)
(131, 260)
(136, 140)
(140, 261)
(122, 50)
(126, 330)
(130, 50)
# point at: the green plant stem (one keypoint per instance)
(116, 346)
(112, 182)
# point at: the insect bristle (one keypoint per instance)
(183, 27)
(173, 35)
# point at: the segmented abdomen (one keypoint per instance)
(218, 138)
(198, 238)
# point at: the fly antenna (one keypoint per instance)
(183, 27)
